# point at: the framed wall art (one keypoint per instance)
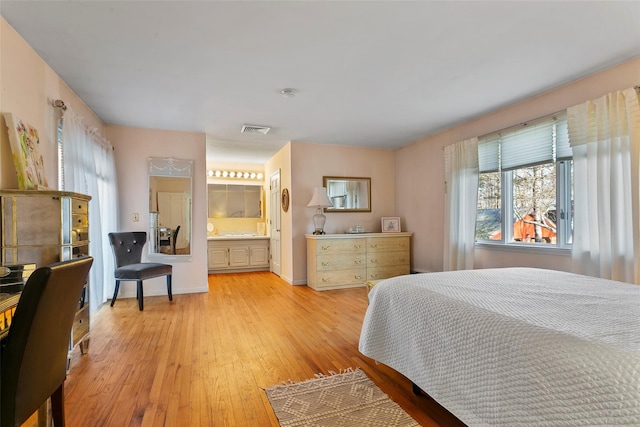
(391, 224)
(285, 200)
(29, 164)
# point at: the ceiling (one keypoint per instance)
(379, 74)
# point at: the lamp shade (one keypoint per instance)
(320, 198)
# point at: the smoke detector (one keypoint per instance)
(288, 92)
(255, 129)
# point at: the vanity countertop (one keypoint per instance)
(237, 237)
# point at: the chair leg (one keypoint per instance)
(169, 287)
(115, 293)
(57, 406)
(140, 295)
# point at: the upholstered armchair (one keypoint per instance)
(127, 251)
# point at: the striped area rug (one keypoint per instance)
(348, 398)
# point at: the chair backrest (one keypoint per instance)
(127, 246)
(174, 239)
(34, 354)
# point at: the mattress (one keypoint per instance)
(515, 346)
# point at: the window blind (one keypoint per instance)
(563, 148)
(489, 154)
(531, 145)
(543, 141)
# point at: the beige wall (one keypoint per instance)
(27, 88)
(309, 163)
(420, 171)
(133, 146)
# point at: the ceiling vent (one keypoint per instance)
(254, 129)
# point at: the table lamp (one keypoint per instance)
(319, 200)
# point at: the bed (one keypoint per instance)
(512, 346)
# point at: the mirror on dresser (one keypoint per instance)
(170, 190)
(348, 194)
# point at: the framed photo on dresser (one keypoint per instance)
(391, 224)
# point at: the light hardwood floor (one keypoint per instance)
(204, 359)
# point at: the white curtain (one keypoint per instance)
(605, 138)
(89, 168)
(461, 200)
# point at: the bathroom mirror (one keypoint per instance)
(170, 190)
(234, 201)
(348, 194)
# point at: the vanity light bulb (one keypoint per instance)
(210, 172)
(218, 173)
(253, 175)
(225, 174)
(232, 174)
(259, 176)
(246, 175)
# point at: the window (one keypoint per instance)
(60, 157)
(525, 190)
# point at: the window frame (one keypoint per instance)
(564, 211)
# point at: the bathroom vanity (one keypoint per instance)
(234, 253)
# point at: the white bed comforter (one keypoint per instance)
(513, 347)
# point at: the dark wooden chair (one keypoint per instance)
(127, 251)
(34, 354)
(174, 239)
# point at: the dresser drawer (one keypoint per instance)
(380, 244)
(352, 246)
(377, 273)
(340, 261)
(79, 206)
(81, 325)
(385, 259)
(341, 278)
(80, 221)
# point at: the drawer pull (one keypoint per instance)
(374, 261)
(357, 261)
(373, 245)
(357, 277)
(326, 248)
(325, 280)
(325, 263)
(357, 246)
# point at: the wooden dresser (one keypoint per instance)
(337, 261)
(44, 227)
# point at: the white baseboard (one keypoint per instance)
(160, 292)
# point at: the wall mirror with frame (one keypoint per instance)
(170, 194)
(348, 194)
